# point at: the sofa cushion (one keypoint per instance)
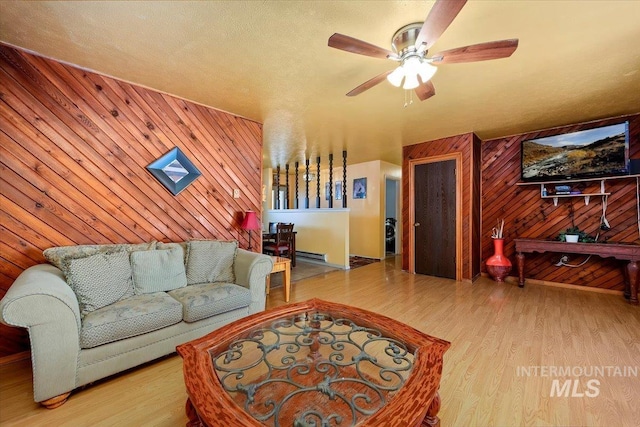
(99, 280)
(61, 255)
(205, 300)
(129, 317)
(159, 270)
(211, 261)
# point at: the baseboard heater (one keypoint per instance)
(312, 256)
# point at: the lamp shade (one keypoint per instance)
(411, 81)
(426, 71)
(396, 76)
(250, 221)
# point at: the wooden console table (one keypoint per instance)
(625, 252)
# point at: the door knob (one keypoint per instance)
(417, 224)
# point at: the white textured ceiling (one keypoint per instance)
(269, 61)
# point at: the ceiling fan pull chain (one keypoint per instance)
(408, 98)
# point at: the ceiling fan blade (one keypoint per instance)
(342, 42)
(369, 83)
(440, 17)
(477, 52)
(425, 90)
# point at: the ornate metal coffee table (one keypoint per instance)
(314, 363)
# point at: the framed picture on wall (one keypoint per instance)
(338, 190)
(360, 188)
(174, 170)
(327, 186)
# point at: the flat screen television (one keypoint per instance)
(597, 152)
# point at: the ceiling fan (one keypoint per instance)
(411, 45)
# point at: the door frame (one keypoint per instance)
(398, 203)
(412, 239)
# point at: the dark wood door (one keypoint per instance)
(435, 219)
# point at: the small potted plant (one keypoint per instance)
(573, 234)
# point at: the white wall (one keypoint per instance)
(323, 231)
(366, 222)
(365, 228)
(390, 199)
(366, 235)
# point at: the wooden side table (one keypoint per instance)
(281, 264)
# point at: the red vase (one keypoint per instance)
(498, 265)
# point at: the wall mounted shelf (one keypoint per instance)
(545, 194)
(587, 196)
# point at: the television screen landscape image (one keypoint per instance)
(594, 152)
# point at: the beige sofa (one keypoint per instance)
(89, 317)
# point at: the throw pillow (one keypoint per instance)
(211, 261)
(158, 271)
(183, 245)
(99, 280)
(61, 255)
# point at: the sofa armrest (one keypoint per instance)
(251, 270)
(41, 301)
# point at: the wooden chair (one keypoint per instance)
(283, 246)
(270, 236)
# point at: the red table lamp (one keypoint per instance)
(250, 222)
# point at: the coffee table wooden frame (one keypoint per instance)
(416, 403)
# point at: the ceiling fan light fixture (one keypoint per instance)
(411, 65)
(411, 68)
(396, 76)
(411, 45)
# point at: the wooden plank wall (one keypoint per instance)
(463, 144)
(75, 146)
(528, 216)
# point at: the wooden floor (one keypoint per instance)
(497, 331)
